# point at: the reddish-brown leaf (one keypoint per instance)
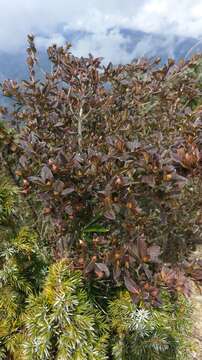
(142, 248)
(103, 268)
(154, 251)
(110, 215)
(46, 174)
(131, 285)
(197, 274)
(68, 191)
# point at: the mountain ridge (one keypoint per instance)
(138, 43)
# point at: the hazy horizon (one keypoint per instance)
(98, 24)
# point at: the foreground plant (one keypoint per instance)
(61, 322)
(145, 333)
(126, 157)
(108, 161)
(41, 320)
(22, 265)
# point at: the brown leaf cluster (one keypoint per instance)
(123, 143)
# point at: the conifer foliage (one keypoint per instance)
(44, 313)
(22, 267)
(148, 333)
(61, 322)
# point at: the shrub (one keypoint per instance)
(147, 333)
(107, 162)
(22, 264)
(61, 322)
(48, 313)
(113, 155)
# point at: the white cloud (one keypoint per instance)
(181, 18)
(42, 17)
(55, 38)
(112, 45)
(105, 44)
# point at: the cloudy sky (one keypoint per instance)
(99, 20)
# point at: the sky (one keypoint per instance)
(100, 20)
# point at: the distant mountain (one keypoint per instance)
(137, 44)
(156, 45)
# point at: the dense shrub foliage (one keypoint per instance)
(48, 313)
(42, 316)
(146, 334)
(108, 163)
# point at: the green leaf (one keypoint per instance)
(95, 228)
